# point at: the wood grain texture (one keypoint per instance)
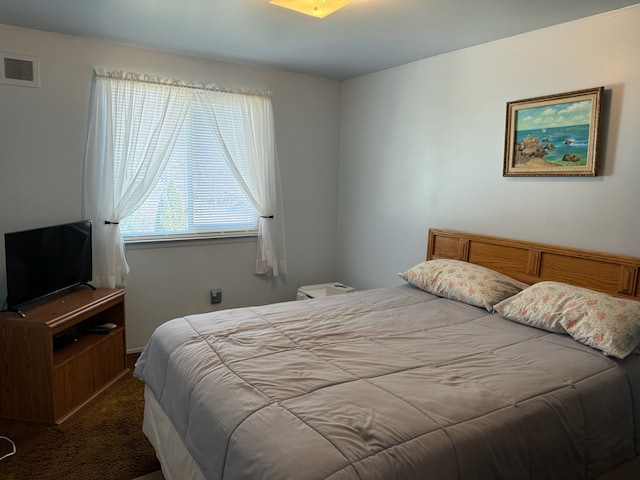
(38, 382)
(533, 262)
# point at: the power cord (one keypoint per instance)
(13, 446)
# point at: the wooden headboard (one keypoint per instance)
(536, 262)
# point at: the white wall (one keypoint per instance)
(42, 138)
(422, 146)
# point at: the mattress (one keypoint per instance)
(388, 383)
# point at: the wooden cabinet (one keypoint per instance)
(42, 380)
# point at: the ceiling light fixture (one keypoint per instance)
(315, 8)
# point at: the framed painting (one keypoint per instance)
(554, 135)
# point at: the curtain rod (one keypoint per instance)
(155, 80)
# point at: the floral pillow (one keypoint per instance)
(541, 306)
(601, 321)
(463, 281)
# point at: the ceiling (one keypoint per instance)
(364, 37)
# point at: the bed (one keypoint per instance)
(414, 381)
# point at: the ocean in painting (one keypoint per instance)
(573, 139)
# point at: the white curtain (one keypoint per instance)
(113, 189)
(261, 179)
(122, 165)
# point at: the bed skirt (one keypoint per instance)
(176, 462)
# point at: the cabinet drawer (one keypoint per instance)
(73, 383)
(108, 358)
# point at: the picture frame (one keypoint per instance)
(553, 135)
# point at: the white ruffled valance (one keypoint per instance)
(157, 80)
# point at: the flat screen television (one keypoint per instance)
(44, 261)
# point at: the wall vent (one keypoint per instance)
(21, 70)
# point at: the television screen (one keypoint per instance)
(46, 260)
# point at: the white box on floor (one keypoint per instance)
(323, 290)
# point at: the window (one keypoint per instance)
(197, 195)
(166, 159)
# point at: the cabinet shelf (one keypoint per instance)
(49, 384)
(85, 341)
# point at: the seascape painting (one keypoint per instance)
(555, 135)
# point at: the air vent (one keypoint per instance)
(21, 70)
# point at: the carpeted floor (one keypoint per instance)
(153, 476)
(104, 440)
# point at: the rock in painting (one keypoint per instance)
(530, 153)
(570, 157)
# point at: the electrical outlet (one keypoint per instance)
(216, 296)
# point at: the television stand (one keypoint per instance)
(47, 378)
(17, 311)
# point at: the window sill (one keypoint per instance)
(177, 241)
